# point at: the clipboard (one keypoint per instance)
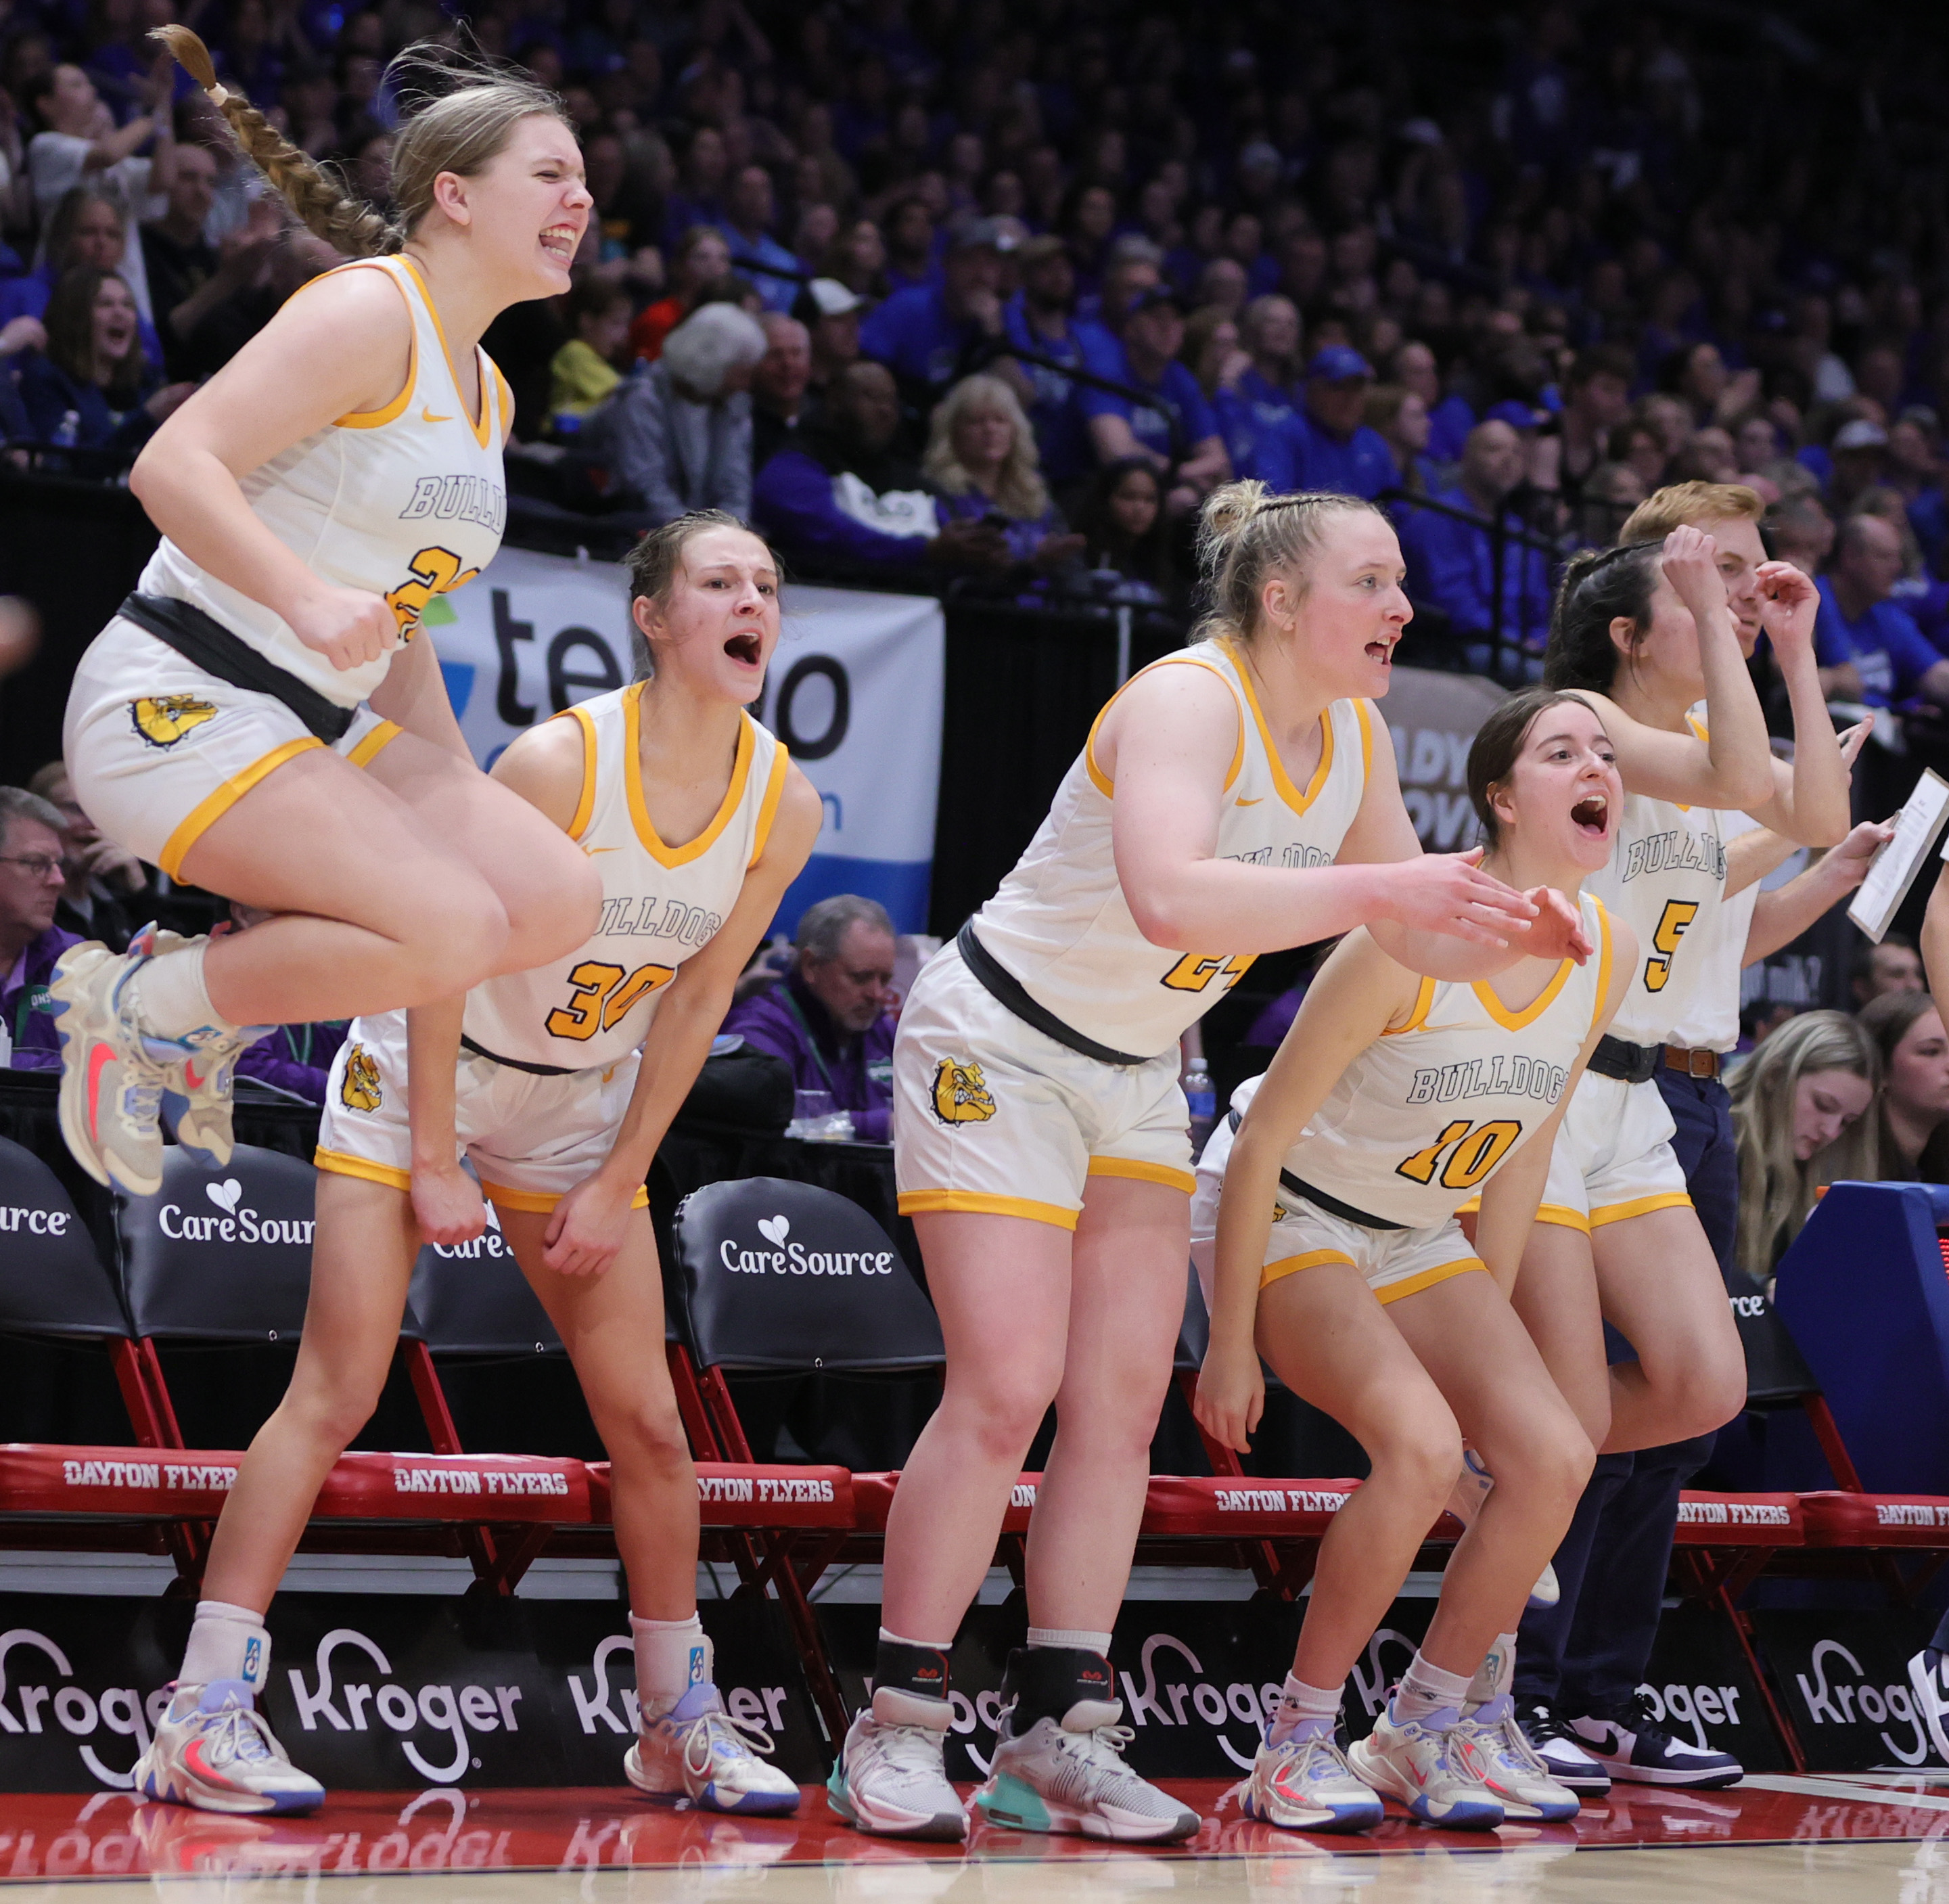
(1892, 872)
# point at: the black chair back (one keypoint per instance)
(51, 1281)
(473, 1300)
(779, 1275)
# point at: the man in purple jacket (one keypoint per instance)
(32, 881)
(828, 1016)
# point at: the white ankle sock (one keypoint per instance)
(1495, 1676)
(1298, 1702)
(1425, 1689)
(1072, 1636)
(171, 1000)
(672, 1656)
(226, 1642)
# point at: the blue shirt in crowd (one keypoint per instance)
(1451, 566)
(1056, 412)
(1890, 653)
(915, 337)
(1449, 424)
(777, 292)
(1174, 400)
(1361, 464)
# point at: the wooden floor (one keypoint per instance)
(1772, 1840)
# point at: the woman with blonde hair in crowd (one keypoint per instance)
(1800, 1112)
(1908, 1031)
(981, 463)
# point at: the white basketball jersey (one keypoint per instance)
(1708, 1017)
(660, 904)
(408, 502)
(1667, 880)
(1420, 1119)
(1060, 923)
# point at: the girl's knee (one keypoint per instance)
(1422, 1452)
(1002, 1416)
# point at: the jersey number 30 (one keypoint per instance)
(1678, 914)
(1473, 1151)
(602, 995)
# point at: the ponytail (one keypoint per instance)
(1601, 586)
(1245, 534)
(324, 205)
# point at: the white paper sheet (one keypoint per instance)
(1892, 870)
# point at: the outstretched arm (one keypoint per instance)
(1779, 918)
(1810, 801)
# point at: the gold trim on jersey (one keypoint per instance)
(213, 807)
(633, 778)
(373, 419)
(1102, 781)
(375, 743)
(1560, 1214)
(1603, 961)
(1299, 802)
(927, 1202)
(1639, 1206)
(1143, 1173)
(1424, 999)
(483, 426)
(1365, 714)
(585, 805)
(542, 1202)
(342, 1163)
(1521, 1021)
(1290, 1265)
(768, 807)
(1428, 1278)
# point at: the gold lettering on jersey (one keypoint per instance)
(361, 1091)
(961, 1093)
(1472, 1152)
(435, 571)
(600, 995)
(1676, 851)
(1506, 1074)
(1193, 972)
(457, 499)
(644, 916)
(1678, 914)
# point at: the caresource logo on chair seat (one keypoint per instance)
(24, 1219)
(781, 1256)
(234, 1221)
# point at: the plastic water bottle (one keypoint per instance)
(1203, 1100)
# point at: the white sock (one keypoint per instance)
(1071, 1636)
(171, 1001)
(671, 1656)
(1495, 1676)
(1298, 1702)
(1425, 1689)
(226, 1642)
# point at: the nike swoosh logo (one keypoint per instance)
(592, 851)
(1252, 803)
(427, 416)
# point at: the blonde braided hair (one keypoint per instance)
(1245, 534)
(460, 129)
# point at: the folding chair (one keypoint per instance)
(774, 1276)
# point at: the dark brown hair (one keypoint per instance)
(69, 319)
(1498, 741)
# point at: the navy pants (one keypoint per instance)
(1590, 1651)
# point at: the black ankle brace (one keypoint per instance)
(1045, 1682)
(920, 1670)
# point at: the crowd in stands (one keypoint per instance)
(1513, 270)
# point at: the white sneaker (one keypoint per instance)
(1929, 1675)
(1304, 1784)
(891, 1776)
(1070, 1776)
(697, 1752)
(1426, 1765)
(111, 1083)
(1511, 1767)
(213, 1750)
(1562, 1751)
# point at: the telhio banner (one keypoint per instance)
(855, 691)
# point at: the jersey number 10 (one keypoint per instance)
(1473, 1151)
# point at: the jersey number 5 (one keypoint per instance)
(1474, 1150)
(435, 571)
(602, 995)
(1678, 914)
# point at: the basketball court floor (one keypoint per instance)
(1775, 1839)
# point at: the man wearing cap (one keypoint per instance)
(927, 334)
(830, 312)
(1451, 564)
(1038, 319)
(1868, 648)
(747, 229)
(1858, 452)
(1174, 427)
(1336, 449)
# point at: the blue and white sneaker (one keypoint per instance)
(1635, 1749)
(1304, 1784)
(1428, 1765)
(1511, 1767)
(698, 1753)
(214, 1750)
(1562, 1751)
(1929, 1675)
